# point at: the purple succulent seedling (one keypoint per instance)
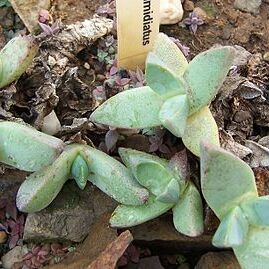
(185, 50)
(193, 21)
(49, 30)
(108, 9)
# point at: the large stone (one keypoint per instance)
(69, 216)
(160, 234)
(171, 11)
(251, 6)
(218, 260)
(13, 256)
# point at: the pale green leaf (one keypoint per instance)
(135, 108)
(257, 211)
(174, 113)
(160, 79)
(80, 171)
(41, 187)
(170, 54)
(188, 212)
(226, 180)
(232, 231)
(16, 57)
(113, 178)
(171, 193)
(128, 216)
(206, 73)
(254, 253)
(26, 148)
(200, 126)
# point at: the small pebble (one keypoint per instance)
(3, 237)
(171, 11)
(188, 5)
(201, 14)
(266, 56)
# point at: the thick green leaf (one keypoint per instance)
(135, 108)
(257, 211)
(232, 231)
(113, 178)
(171, 193)
(16, 57)
(133, 158)
(150, 171)
(254, 253)
(188, 212)
(174, 113)
(25, 148)
(170, 54)
(226, 180)
(206, 73)
(128, 216)
(41, 187)
(160, 79)
(153, 176)
(200, 126)
(80, 171)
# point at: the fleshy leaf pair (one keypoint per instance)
(54, 163)
(177, 94)
(16, 57)
(167, 191)
(229, 188)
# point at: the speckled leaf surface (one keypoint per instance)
(254, 253)
(41, 187)
(16, 57)
(188, 212)
(170, 54)
(135, 108)
(26, 148)
(128, 216)
(206, 73)
(160, 79)
(200, 126)
(113, 178)
(225, 179)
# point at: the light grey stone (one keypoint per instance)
(13, 256)
(251, 6)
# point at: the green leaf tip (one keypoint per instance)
(80, 171)
(26, 148)
(135, 108)
(16, 57)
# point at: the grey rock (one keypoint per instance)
(69, 216)
(251, 6)
(218, 260)
(13, 256)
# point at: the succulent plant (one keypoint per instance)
(54, 163)
(193, 21)
(16, 57)
(168, 190)
(229, 188)
(177, 94)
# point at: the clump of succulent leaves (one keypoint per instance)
(53, 163)
(16, 57)
(177, 94)
(229, 188)
(168, 188)
(146, 187)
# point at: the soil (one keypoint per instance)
(244, 118)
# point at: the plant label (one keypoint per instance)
(137, 26)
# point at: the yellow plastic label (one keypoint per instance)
(137, 27)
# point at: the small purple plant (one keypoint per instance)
(184, 49)
(193, 21)
(108, 10)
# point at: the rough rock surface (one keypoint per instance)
(218, 260)
(13, 256)
(69, 216)
(251, 6)
(171, 11)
